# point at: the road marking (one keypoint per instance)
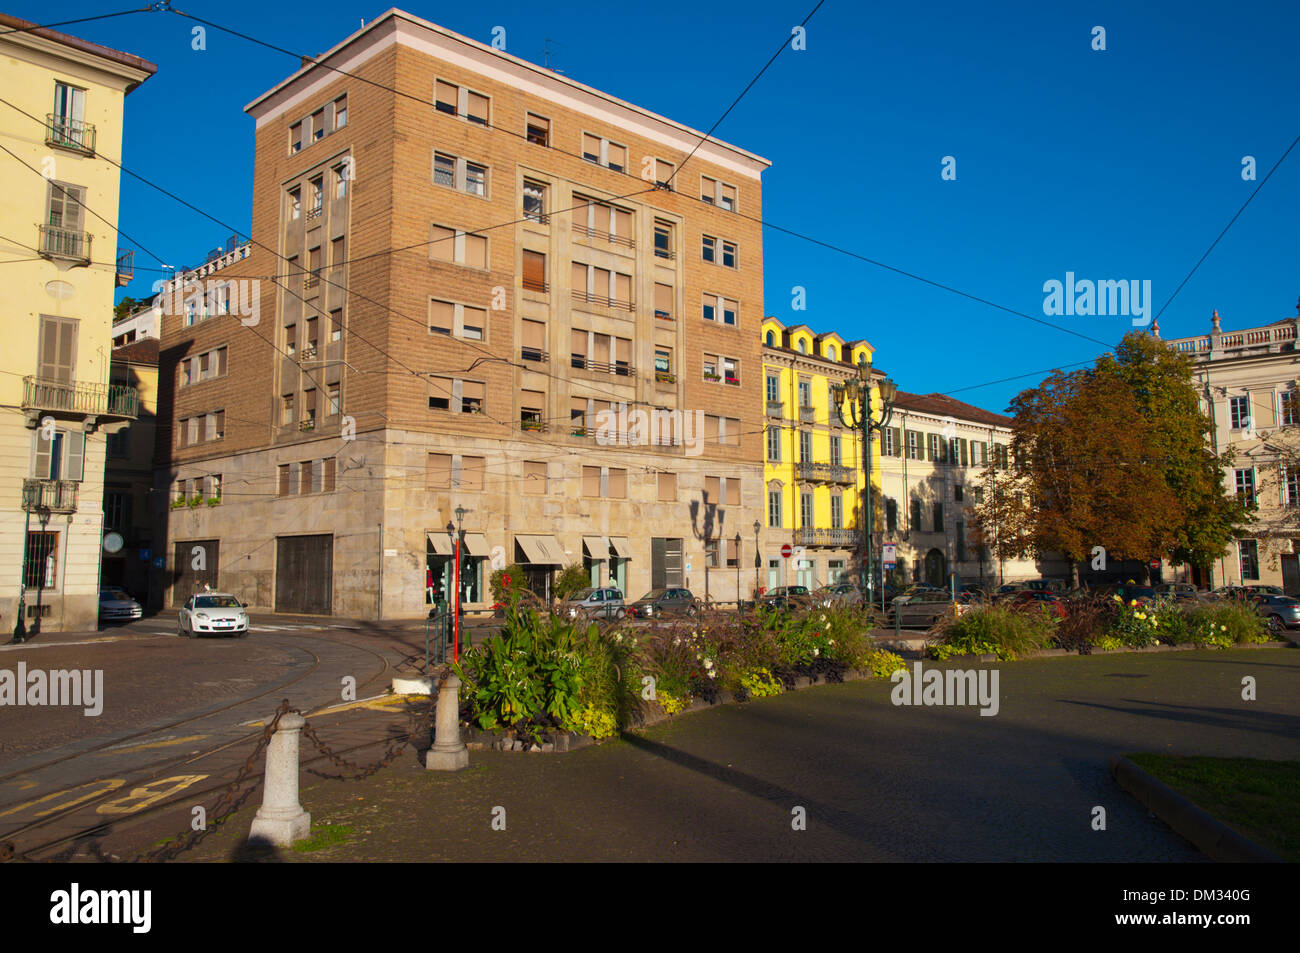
(144, 796)
(161, 743)
(110, 784)
(375, 703)
(55, 645)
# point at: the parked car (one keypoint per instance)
(840, 594)
(1145, 595)
(595, 604)
(664, 602)
(1030, 598)
(1046, 585)
(116, 605)
(788, 597)
(1181, 592)
(922, 608)
(1266, 590)
(1282, 612)
(209, 613)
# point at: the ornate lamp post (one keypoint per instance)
(460, 519)
(757, 527)
(737, 571)
(856, 393)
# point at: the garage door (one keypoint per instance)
(304, 573)
(195, 563)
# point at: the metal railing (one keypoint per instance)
(604, 235)
(826, 472)
(69, 133)
(603, 301)
(533, 285)
(602, 367)
(114, 400)
(827, 537)
(57, 496)
(807, 414)
(536, 425)
(775, 408)
(534, 354)
(125, 268)
(66, 243)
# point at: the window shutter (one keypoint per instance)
(591, 481)
(476, 251)
(41, 466)
(623, 289)
(534, 335)
(76, 444)
(965, 451)
(442, 244)
(442, 316)
(534, 270)
(898, 446)
(617, 483)
(579, 278)
(664, 299)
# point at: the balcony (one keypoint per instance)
(55, 496)
(581, 363)
(807, 415)
(125, 268)
(665, 377)
(842, 538)
(775, 409)
(603, 301)
(603, 235)
(68, 133)
(91, 400)
(535, 354)
(532, 284)
(826, 473)
(65, 243)
(535, 424)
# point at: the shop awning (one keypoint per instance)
(542, 550)
(597, 546)
(476, 544)
(621, 546)
(440, 543)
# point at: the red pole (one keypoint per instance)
(455, 652)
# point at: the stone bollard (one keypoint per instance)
(281, 819)
(448, 752)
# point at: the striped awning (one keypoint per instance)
(541, 550)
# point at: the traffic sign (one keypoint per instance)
(786, 551)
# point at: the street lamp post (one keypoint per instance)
(42, 514)
(737, 571)
(460, 519)
(856, 392)
(757, 562)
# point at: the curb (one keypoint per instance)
(1186, 647)
(1207, 833)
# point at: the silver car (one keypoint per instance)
(595, 603)
(923, 608)
(116, 606)
(212, 613)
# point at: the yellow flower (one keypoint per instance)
(1117, 598)
(1133, 603)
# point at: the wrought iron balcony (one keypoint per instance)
(125, 268)
(68, 133)
(843, 538)
(64, 243)
(775, 408)
(69, 397)
(826, 473)
(56, 496)
(807, 414)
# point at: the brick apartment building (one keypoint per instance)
(466, 273)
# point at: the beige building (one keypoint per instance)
(1249, 382)
(376, 377)
(58, 214)
(128, 477)
(935, 454)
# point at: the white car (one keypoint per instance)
(209, 613)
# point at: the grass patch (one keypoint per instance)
(1256, 797)
(326, 835)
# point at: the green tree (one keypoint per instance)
(574, 578)
(124, 307)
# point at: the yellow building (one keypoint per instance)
(813, 470)
(58, 215)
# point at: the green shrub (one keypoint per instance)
(1135, 626)
(573, 579)
(882, 663)
(760, 683)
(503, 593)
(1226, 623)
(1087, 620)
(996, 630)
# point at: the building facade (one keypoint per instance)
(935, 455)
(1249, 383)
(813, 469)
(128, 478)
(546, 350)
(58, 217)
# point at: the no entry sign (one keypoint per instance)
(786, 551)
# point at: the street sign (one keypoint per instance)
(889, 555)
(786, 551)
(146, 555)
(159, 562)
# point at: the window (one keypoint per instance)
(836, 459)
(805, 446)
(718, 308)
(718, 193)
(837, 512)
(806, 508)
(295, 138)
(119, 443)
(663, 364)
(709, 248)
(979, 494)
(317, 196)
(711, 553)
(604, 482)
(773, 391)
(69, 113)
(958, 494)
(215, 425)
(471, 473)
(916, 516)
(284, 475)
(437, 471)
(889, 442)
(729, 432)
(805, 394)
(475, 179)
(313, 265)
(603, 152)
(472, 395)
(1291, 481)
(664, 171)
(308, 409)
(538, 130)
(774, 507)
(1239, 411)
(331, 400)
(667, 487)
(61, 456)
(938, 517)
(338, 255)
(459, 101)
(340, 112)
(1248, 551)
(663, 240)
(318, 125)
(891, 515)
(774, 444)
(295, 203)
(729, 254)
(1245, 480)
(730, 371)
(1290, 408)
(458, 173)
(535, 477)
(534, 278)
(602, 286)
(535, 201)
(336, 324)
(444, 169)
(40, 564)
(340, 181)
(286, 409)
(457, 320)
(117, 509)
(664, 297)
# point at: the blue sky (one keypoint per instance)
(1116, 164)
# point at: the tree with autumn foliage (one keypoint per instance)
(1114, 456)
